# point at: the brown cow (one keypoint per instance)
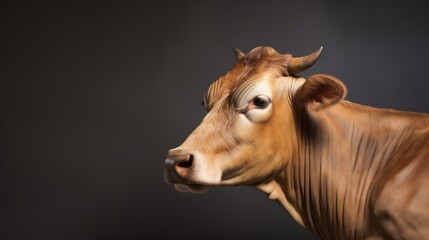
(342, 170)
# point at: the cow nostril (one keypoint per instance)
(182, 161)
(187, 163)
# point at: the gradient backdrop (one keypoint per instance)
(94, 94)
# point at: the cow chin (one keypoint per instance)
(193, 188)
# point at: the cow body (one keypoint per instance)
(342, 170)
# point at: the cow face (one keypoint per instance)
(249, 132)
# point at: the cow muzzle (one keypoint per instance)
(176, 168)
(180, 171)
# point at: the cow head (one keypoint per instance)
(249, 133)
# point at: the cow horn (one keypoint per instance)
(300, 64)
(238, 54)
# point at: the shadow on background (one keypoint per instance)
(94, 94)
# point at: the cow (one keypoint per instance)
(341, 169)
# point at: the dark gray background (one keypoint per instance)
(94, 94)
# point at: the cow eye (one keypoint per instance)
(261, 101)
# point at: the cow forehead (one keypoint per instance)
(241, 81)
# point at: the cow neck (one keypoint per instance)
(340, 150)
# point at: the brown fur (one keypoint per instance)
(343, 170)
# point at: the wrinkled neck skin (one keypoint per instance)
(328, 185)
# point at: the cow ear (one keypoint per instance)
(320, 91)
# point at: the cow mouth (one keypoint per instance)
(183, 185)
(193, 188)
